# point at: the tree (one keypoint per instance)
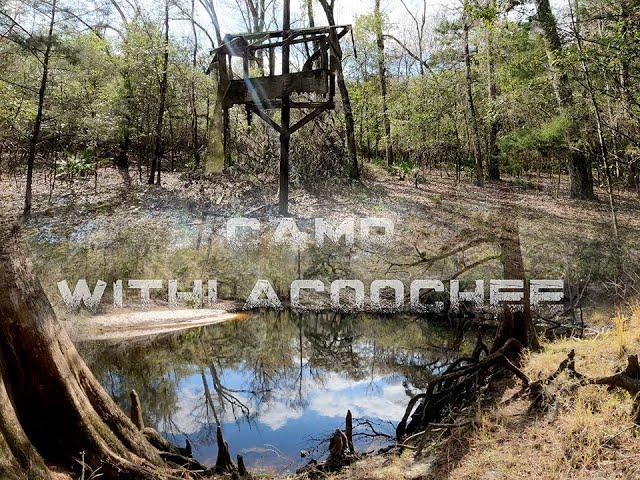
(494, 123)
(579, 165)
(122, 159)
(473, 114)
(604, 154)
(336, 52)
(51, 406)
(156, 163)
(37, 124)
(420, 33)
(194, 106)
(382, 77)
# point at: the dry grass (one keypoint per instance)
(586, 434)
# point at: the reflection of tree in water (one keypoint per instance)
(330, 343)
(277, 357)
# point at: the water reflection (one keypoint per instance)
(277, 383)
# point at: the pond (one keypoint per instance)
(277, 383)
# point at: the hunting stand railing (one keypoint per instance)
(270, 91)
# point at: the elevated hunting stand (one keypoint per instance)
(268, 91)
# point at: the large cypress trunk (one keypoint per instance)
(52, 408)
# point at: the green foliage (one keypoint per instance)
(78, 164)
(548, 136)
(103, 91)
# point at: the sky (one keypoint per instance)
(345, 11)
(283, 423)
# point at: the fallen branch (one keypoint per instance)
(628, 379)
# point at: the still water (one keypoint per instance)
(277, 383)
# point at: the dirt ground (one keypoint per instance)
(560, 237)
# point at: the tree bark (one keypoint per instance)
(580, 173)
(156, 162)
(382, 77)
(52, 408)
(37, 124)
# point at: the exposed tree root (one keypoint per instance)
(458, 386)
(628, 379)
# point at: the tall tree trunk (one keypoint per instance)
(218, 153)
(194, 107)
(353, 168)
(52, 408)
(580, 172)
(473, 114)
(604, 155)
(382, 77)
(156, 163)
(37, 124)
(494, 127)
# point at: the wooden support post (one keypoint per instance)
(226, 129)
(272, 62)
(283, 200)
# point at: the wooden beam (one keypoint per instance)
(295, 33)
(304, 120)
(267, 119)
(289, 41)
(265, 89)
(277, 103)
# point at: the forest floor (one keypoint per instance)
(588, 433)
(560, 237)
(378, 193)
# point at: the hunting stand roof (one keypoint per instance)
(261, 88)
